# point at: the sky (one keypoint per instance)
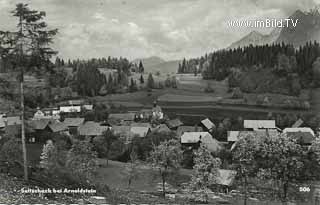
(170, 29)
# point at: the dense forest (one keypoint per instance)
(281, 58)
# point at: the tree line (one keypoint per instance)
(281, 57)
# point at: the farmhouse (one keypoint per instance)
(208, 125)
(87, 107)
(58, 127)
(144, 114)
(259, 124)
(157, 112)
(234, 136)
(303, 135)
(48, 113)
(92, 129)
(139, 131)
(73, 122)
(174, 124)
(182, 129)
(205, 138)
(7, 121)
(70, 109)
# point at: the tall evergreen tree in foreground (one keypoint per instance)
(27, 49)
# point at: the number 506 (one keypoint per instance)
(304, 189)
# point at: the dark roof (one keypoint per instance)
(73, 122)
(56, 126)
(174, 123)
(91, 128)
(302, 137)
(139, 131)
(39, 124)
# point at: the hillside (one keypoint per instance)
(255, 38)
(307, 29)
(154, 64)
(149, 62)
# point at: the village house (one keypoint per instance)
(91, 129)
(143, 115)
(7, 121)
(139, 131)
(205, 138)
(157, 113)
(87, 107)
(70, 109)
(182, 129)
(259, 124)
(174, 124)
(234, 136)
(73, 124)
(48, 113)
(208, 125)
(43, 128)
(303, 135)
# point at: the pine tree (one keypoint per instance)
(141, 68)
(150, 83)
(141, 79)
(27, 48)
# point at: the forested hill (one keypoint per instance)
(282, 60)
(120, 64)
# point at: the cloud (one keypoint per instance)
(139, 28)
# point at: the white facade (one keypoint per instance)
(68, 109)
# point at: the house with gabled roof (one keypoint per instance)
(12, 120)
(208, 125)
(139, 131)
(183, 129)
(205, 138)
(259, 124)
(91, 129)
(303, 135)
(58, 127)
(73, 122)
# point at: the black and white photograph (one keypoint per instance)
(160, 102)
